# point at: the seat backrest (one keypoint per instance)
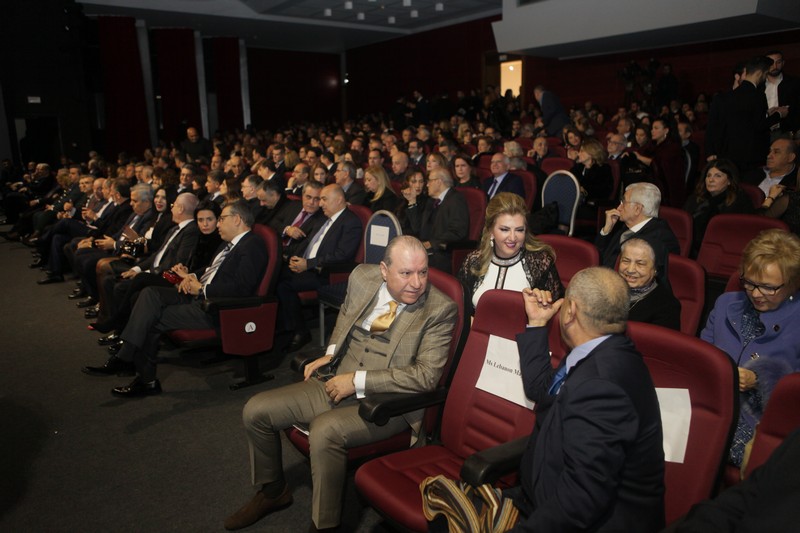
(529, 182)
(562, 187)
(781, 417)
(379, 231)
(678, 361)
(681, 224)
(616, 174)
(499, 313)
(364, 214)
(755, 193)
(476, 203)
(270, 279)
(526, 143)
(725, 239)
(688, 280)
(453, 289)
(551, 164)
(572, 255)
(483, 174)
(484, 161)
(734, 285)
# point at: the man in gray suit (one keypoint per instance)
(392, 335)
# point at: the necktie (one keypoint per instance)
(299, 220)
(493, 188)
(627, 234)
(216, 264)
(384, 321)
(437, 203)
(316, 239)
(160, 254)
(558, 380)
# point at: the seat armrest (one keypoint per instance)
(491, 464)
(299, 361)
(213, 305)
(379, 408)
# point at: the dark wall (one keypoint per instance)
(433, 62)
(40, 57)
(227, 82)
(700, 68)
(176, 80)
(292, 86)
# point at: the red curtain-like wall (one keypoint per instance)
(433, 62)
(177, 80)
(227, 81)
(126, 113)
(292, 86)
(700, 68)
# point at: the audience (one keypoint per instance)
(380, 194)
(651, 298)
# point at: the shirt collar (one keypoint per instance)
(579, 353)
(640, 225)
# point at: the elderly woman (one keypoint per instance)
(509, 256)
(718, 193)
(380, 194)
(652, 300)
(759, 327)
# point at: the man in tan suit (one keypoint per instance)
(364, 357)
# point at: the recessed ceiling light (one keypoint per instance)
(328, 12)
(348, 5)
(360, 16)
(439, 6)
(414, 13)
(391, 20)
(406, 3)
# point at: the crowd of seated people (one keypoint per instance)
(155, 231)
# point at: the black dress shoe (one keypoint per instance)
(38, 263)
(108, 339)
(88, 302)
(298, 341)
(114, 366)
(51, 278)
(115, 348)
(137, 389)
(77, 295)
(91, 312)
(102, 327)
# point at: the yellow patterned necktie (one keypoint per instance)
(382, 322)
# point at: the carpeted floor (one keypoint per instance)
(74, 458)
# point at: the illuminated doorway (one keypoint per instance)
(511, 76)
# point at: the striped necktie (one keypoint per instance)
(216, 264)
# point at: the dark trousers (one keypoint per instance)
(290, 285)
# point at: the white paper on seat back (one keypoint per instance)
(500, 374)
(379, 235)
(676, 417)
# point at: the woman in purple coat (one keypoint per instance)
(759, 327)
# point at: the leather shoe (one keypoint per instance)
(298, 341)
(37, 263)
(88, 302)
(115, 348)
(51, 278)
(257, 508)
(114, 366)
(91, 313)
(108, 339)
(137, 389)
(77, 294)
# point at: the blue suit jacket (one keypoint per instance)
(340, 243)
(242, 270)
(595, 461)
(511, 183)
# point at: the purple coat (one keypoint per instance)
(773, 354)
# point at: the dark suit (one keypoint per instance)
(160, 309)
(409, 356)
(789, 94)
(355, 194)
(511, 183)
(441, 226)
(339, 245)
(757, 175)
(595, 460)
(655, 231)
(553, 114)
(309, 227)
(747, 127)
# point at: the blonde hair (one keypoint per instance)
(505, 203)
(774, 246)
(380, 176)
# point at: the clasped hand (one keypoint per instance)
(539, 306)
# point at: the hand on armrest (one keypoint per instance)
(489, 465)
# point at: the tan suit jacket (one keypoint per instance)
(419, 339)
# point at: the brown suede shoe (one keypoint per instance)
(257, 508)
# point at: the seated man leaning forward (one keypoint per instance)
(595, 460)
(392, 335)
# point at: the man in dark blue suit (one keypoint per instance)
(236, 271)
(336, 241)
(503, 181)
(554, 118)
(595, 460)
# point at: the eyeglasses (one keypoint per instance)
(222, 217)
(766, 290)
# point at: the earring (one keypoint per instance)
(491, 241)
